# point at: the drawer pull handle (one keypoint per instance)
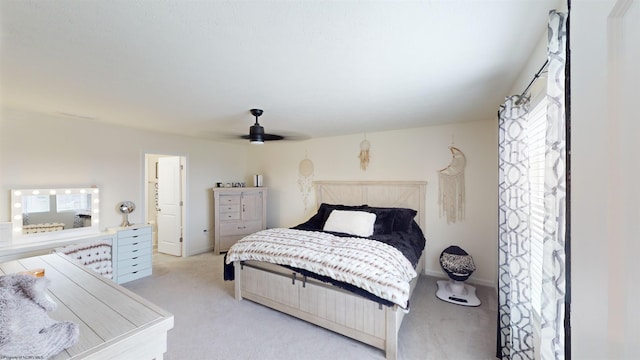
(135, 258)
(135, 244)
(134, 265)
(241, 227)
(135, 272)
(134, 250)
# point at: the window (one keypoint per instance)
(72, 202)
(36, 204)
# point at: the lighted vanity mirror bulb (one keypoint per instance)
(82, 191)
(17, 193)
(96, 201)
(96, 221)
(67, 191)
(52, 192)
(95, 191)
(17, 205)
(18, 230)
(96, 211)
(17, 217)
(36, 192)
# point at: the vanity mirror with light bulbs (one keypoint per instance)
(49, 214)
(61, 219)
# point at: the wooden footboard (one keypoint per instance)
(322, 304)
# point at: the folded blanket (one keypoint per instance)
(26, 331)
(371, 265)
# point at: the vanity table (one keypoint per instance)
(75, 214)
(131, 250)
(114, 322)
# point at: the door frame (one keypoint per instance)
(622, 230)
(183, 192)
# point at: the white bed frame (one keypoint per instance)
(325, 305)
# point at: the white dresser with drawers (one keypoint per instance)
(132, 253)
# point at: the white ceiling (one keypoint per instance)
(317, 68)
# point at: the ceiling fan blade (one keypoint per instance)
(267, 137)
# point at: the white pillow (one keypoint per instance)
(359, 223)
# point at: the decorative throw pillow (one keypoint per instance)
(359, 223)
(403, 219)
(384, 220)
(325, 210)
(393, 219)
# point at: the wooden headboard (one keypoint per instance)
(405, 194)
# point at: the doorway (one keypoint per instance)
(165, 199)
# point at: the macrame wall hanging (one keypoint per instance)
(364, 153)
(451, 191)
(305, 179)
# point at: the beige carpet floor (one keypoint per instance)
(210, 324)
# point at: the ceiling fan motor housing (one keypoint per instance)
(256, 132)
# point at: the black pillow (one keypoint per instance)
(403, 219)
(384, 220)
(314, 223)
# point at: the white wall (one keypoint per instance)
(45, 151)
(605, 170)
(55, 151)
(411, 154)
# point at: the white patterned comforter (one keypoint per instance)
(368, 264)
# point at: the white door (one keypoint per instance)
(169, 216)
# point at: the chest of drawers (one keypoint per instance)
(132, 253)
(237, 212)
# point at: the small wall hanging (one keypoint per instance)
(364, 153)
(451, 192)
(305, 179)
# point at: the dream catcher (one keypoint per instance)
(305, 179)
(451, 193)
(364, 153)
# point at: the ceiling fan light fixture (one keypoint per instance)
(256, 132)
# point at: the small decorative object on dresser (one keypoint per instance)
(237, 212)
(126, 208)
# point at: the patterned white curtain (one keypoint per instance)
(515, 326)
(554, 266)
(515, 337)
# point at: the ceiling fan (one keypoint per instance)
(256, 131)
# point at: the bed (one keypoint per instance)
(373, 317)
